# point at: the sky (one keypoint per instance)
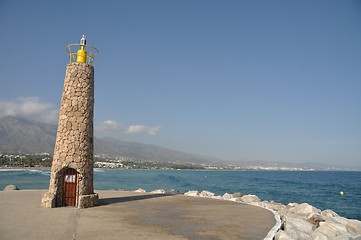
(235, 80)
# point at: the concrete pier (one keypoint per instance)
(132, 216)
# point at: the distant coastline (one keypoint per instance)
(219, 168)
(20, 168)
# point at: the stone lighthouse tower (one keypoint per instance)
(71, 180)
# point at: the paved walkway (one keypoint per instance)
(129, 215)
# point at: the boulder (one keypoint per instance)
(294, 234)
(218, 197)
(140, 190)
(342, 237)
(281, 235)
(305, 210)
(11, 187)
(158, 191)
(293, 222)
(263, 204)
(319, 236)
(316, 218)
(207, 194)
(354, 227)
(278, 207)
(227, 196)
(237, 194)
(250, 199)
(331, 230)
(235, 199)
(329, 213)
(325, 229)
(340, 220)
(292, 205)
(339, 227)
(193, 193)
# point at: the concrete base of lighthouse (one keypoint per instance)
(71, 184)
(49, 200)
(89, 200)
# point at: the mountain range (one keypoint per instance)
(19, 135)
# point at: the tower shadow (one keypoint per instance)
(114, 200)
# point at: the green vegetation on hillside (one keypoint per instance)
(28, 160)
(45, 160)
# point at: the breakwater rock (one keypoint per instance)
(297, 221)
(11, 187)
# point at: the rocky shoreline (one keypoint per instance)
(297, 221)
(294, 220)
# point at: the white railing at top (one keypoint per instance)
(91, 52)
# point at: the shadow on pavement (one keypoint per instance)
(107, 201)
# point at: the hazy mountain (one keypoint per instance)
(24, 136)
(145, 151)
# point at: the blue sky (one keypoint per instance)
(235, 80)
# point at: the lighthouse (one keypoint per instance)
(71, 180)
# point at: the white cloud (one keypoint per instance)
(109, 125)
(33, 109)
(153, 130)
(135, 129)
(113, 126)
(30, 108)
(138, 128)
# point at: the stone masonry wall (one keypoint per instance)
(74, 140)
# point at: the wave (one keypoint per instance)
(26, 172)
(12, 170)
(42, 172)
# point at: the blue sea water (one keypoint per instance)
(318, 188)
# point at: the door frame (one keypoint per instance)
(70, 187)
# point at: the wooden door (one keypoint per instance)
(70, 187)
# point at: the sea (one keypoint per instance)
(318, 188)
